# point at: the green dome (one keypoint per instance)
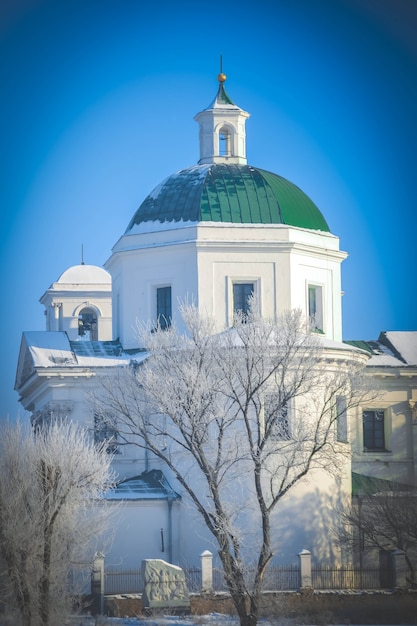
(239, 194)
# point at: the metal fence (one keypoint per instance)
(193, 579)
(283, 578)
(127, 581)
(328, 577)
(276, 579)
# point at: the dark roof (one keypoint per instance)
(222, 97)
(368, 485)
(97, 348)
(361, 344)
(239, 194)
(151, 485)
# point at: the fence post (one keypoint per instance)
(206, 571)
(398, 569)
(97, 583)
(305, 569)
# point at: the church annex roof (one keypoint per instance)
(391, 349)
(52, 349)
(219, 192)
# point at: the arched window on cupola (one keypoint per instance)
(225, 141)
(87, 324)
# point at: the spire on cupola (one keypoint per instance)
(222, 129)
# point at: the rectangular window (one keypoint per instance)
(341, 420)
(105, 430)
(276, 417)
(315, 307)
(163, 307)
(241, 295)
(373, 430)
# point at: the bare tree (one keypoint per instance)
(240, 418)
(48, 482)
(384, 521)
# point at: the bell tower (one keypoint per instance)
(222, 130)
(80, 303)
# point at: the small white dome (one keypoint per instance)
(85, 275)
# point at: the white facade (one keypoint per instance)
(201, 262)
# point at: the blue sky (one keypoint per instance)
(97, 107)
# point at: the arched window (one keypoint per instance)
(87, 324)
(225, 142)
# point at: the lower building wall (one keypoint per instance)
(140, 530)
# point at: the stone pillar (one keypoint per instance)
(97, 584)
(305, 569)
(206, 571)
(399, 569)
(56, 306)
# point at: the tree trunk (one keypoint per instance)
(246, 604)
(44, 598)
(411, 579)
(44, 583)
(23, 599)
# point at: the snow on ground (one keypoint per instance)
(214, 619)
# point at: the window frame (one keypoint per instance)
(316, 318)
(284, 417)
(242, 283)
(104, 425)
(384, 446)
(342, 422)
(163, 318)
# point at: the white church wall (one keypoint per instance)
(136, 279)
(323, 274)
(306, 518)
(201, 263)
(141, 530)
(279, 264)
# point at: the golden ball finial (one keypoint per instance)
(221, 77)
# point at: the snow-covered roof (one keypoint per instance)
(85, 275)
(392, 349)
(405, 344)
(53, 348)
(49, 349)
(231, 337)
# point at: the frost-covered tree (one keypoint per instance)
(49, 480)
(240, 418)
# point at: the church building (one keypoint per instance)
(212, 234)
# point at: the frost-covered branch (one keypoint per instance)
(240, 418)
